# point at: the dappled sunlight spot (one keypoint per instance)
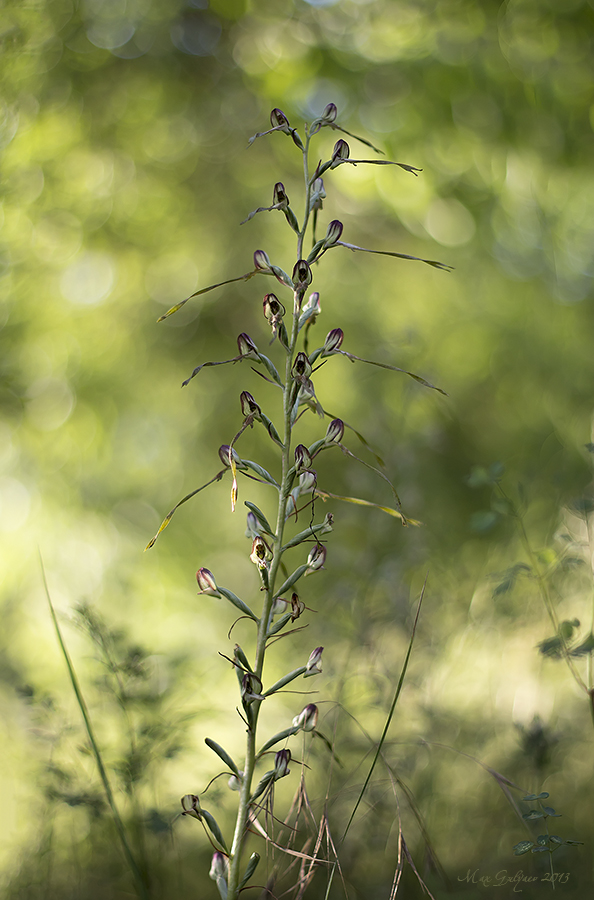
(169, 140)
(450, 223)
(196, 35)
(86, 172)
(50, 402)
(402, 193)
(261, 50)
(8, 449)
(170, 278)
(15, 504)
(397, 33)
(530, 699)
(57, 237)
(89, 280)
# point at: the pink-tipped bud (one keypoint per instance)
(218, 866)
(301, 274)
(206, 583)
(334, 432)
(249, 407)
(333, 233)
(262, 262)
(301, 367)
(281, 764)
(253, 528)
(340, 152)
(279, 120)
(330, 113)
(307, 718)
(314, 663)
(246, 346)
(191, 806)
(273, 308)
(302, 457)
(316, 559)
(279, 196)
(333, 341)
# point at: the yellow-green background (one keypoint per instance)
(125, 174)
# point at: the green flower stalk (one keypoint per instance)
(296, 487)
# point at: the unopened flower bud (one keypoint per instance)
(235, 783)
(261, 552)
(253, 528)
(273, 308)
(218, 866)
(281, 764)
(333, 233)
(224, 455)
(318, 194)
(316, 559)
(313, 304)
(307, 482)
(279, 120)
(341, 151)
(251, 688)
(191, 806)
(333, 341)
(262, 262)
(297, 606)
(249, 407)
(301, 273)
(206, 583)
(279, 606)
(279, 196)
(330, 113)
(302, 457)
(301, 367)
(314, 663)
(307, 718)
(246, 346)
(335, 431)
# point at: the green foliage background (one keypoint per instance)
(125, 175)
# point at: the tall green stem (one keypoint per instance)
(285, 488)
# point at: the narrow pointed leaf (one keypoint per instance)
(430, 262)
(204, 365)
(260, 517)
(222, 753)
(291, 580)
(271, 369)
(387, 509)
(214, 829)
(243, 607)
(391, 712)
(372, 362)
(281, 736)
(260, 471)
(361, 140)
(286, 679)
(250, 869)
(189, 496)
(205, 290)
(304, 535)
(280, 624)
